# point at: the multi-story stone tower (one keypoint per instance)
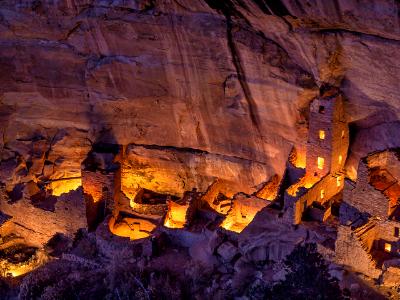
(327, 146)
(328, 137)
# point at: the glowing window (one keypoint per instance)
(342, 133)
(322, 194)
(338, 181)
(320, 162)
(388, 247)
(321, 135)
(340, 159)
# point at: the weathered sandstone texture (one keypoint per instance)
(205, 94)
(214, 87)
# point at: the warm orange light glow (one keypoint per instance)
(63, 186)
(342, 133)
(236, 222)
(229, 224)
(242, 213)
(131, 196)
(93, 190)
(300, 161)
(133, 228)
(388, 247)
(322, 194)
(321, 134)
(176, 215)
(320, 162)
(133, 179)
(338, 181)
(270, 189)
(306, 182)
(298, 158)
(340, 159)
(15, 270)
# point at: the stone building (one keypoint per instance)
(328, 141)
(328, 137)
(375, 196)
(180, 213)
(100, 182)
(244, 209)
(369, 216)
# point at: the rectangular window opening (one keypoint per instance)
(321, 109)
(321, 134)
(388, 247)
(322, 194)
(396, 232)
(320, 162)
(340, 159)
(338, 181)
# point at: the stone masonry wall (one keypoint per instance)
(330, 188)
(365, 197)
(386, 234)
(350, 252)
(321, 114)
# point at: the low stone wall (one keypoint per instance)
(377, 204)
(149, 209)
(350, 252)
(296, 207)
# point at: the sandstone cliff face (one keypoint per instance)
(200, 90)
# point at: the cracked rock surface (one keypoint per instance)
(195, 91)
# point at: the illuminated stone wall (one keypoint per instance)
(321, 192)
(131, 227)
(98, 192)
(243, 211)
(364, 197)
(328, 142)
(320, 118)
(169, 171)
(360, 247)
(181, 214)
(218, 196)
(386, 233)
(328, 136)
(176, 215)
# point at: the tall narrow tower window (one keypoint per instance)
(322, 194)
(338, 181)
(340, 159)
(342, 134)
(320, 162)
(321, 134)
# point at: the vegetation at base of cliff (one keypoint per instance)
(307, 278)
(126, 275)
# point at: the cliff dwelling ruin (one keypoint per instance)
(211, 149)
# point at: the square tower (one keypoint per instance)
(328, 136)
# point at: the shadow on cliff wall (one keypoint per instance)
(100, 162)
(374, 125)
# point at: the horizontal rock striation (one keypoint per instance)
(193, 92)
